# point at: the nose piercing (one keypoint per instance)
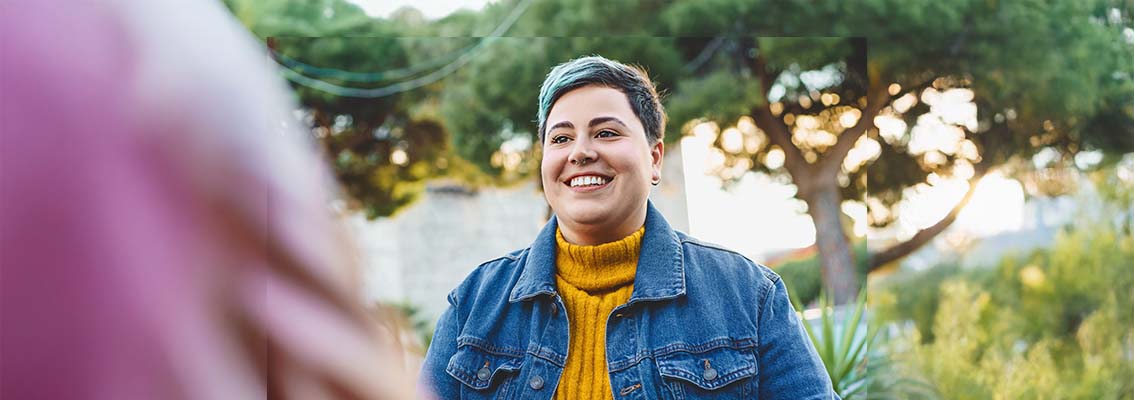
(580, 162)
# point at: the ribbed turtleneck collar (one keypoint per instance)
(601, 267)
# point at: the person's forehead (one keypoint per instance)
(591, 99)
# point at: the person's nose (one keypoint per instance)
(582, 152)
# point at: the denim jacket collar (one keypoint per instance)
(661, 268)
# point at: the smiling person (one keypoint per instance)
(609, 301)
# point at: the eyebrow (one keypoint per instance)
(592, 124)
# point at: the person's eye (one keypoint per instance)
(559, 139)
(606, 133)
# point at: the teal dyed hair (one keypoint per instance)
(595, 70)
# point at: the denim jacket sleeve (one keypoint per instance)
(434, 379)
(790, 368)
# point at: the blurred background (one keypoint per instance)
(946, 187)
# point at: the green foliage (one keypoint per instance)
(720, 97)
(491, 101)
(842, 345)
(885, 377)
(274, 18)
(1056, 323)
(383, 149)
(1116, 188)
(420, 325)
(1063, 65)
(481, 113)
(847, 339)
(804, 53)
(919, 306)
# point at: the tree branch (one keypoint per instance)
(760, 68)
(897, 251)
(779, 135)
(758, 65)
(916, 89)
(832, 160)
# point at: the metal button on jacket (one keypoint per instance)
(536, 383)
(483, 374)
(710, 374)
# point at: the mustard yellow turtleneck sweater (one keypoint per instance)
(592, 280)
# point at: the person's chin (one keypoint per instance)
(588, 217)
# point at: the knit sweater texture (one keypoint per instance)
(592, 280)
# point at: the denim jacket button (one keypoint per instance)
(710, 374)
(536, 383)
(483, 374)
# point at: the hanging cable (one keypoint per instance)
(365, 77)
(432, 77)
(704, 55)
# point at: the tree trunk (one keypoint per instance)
(840, 279)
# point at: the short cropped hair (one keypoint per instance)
(596, 70)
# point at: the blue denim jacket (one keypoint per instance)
(702, 322)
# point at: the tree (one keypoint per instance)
(830, 109)
(383, 144)
(1030, 76)
(1039, 77)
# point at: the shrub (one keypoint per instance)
(1056, 323)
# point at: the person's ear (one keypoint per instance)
(657, 153)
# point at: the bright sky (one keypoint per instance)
(432, 9)
(760, 216)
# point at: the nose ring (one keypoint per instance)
(581, 162)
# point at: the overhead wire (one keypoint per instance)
(365, 77)
(432, 77)
(704, 55)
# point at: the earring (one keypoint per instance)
(656, 181)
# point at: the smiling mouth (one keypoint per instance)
(588, 182)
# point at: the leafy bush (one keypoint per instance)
(847, 342)
(1057, 323)
(841, 340)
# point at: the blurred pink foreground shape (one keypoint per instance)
(165, 234)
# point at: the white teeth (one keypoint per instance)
(587, 180)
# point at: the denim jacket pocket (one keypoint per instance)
(720, 373)
(483, 374)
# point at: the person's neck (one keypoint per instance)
(590, 235)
